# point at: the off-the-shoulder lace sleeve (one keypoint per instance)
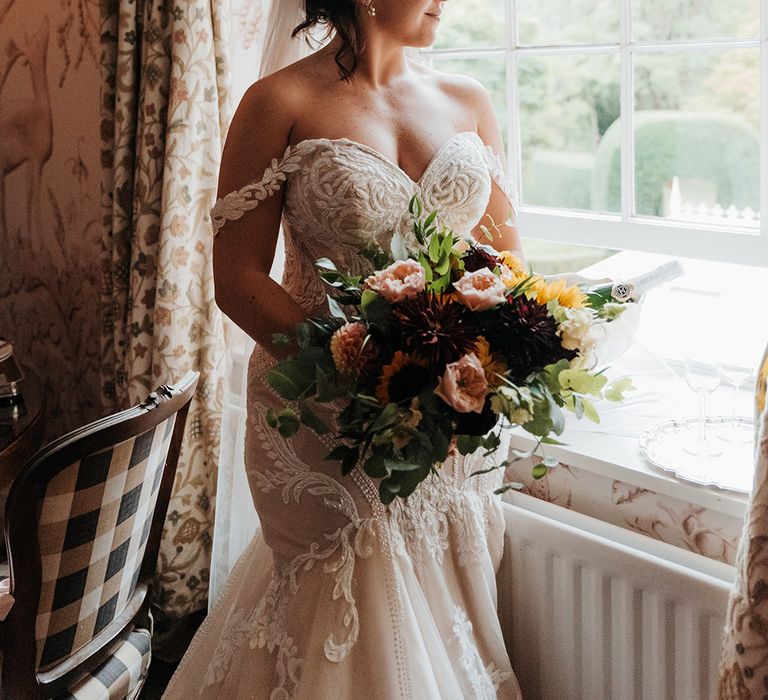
(232, 206)
(506, 185)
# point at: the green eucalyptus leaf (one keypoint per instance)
(444, 264)
(303, 335)
(325, 264)
(291, 379)
(590, 412)
(467, 444)
(434, 249)
(336, 310)
(280, 340)
(551, 441)
(375, 466)
(388, 418)
(540, 471)
(509, 486)
(424, 261)
(582, 382)
(311, 419)
(398, 247)
(288, 423)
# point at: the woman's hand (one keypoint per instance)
(245, 248)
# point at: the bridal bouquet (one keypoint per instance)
(429, 353)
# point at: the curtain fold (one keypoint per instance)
(744, 660)
(165, 108)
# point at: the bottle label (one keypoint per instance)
(633, 289)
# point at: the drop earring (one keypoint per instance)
(371, 8)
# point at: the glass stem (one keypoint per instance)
(702, 416)
(735, 401)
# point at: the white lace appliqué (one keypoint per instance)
(496, 169)
(483, 681)
(235, 204)
(340, 198)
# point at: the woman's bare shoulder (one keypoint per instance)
(285, 93)
(468, 93)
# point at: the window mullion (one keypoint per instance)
(764, 118)
(514, 146)
(627, 113)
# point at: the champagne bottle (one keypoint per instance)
(631, 290)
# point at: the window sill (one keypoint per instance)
(605, 474)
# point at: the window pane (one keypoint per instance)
(471, 24)
(697, 140)
(491, 72)
(665, 20)
(558, 22)
(551, 258)
(569, 123)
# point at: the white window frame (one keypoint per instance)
(627, 230)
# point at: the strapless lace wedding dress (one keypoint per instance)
(339, 596)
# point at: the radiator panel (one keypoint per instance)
(591, 611)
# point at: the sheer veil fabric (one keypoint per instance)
(236, 520)
(280, 48)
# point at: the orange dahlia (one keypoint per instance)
(351, 354)
(493, 365)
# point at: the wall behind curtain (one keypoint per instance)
(49, 225)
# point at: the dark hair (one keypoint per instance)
(340, 15)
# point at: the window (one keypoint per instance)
(632, 124)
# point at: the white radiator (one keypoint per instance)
(591, 611)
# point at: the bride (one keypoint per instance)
(340, 596)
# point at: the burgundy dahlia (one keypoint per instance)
(435, 329)
(479, 257)
(526, 335)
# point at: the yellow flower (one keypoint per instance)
(512, 262)
(569, 296)
(762, 381)
(492, 365)
(399, 360)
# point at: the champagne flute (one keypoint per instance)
(735, 374)
(736, 362)
(702, 374)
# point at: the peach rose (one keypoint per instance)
(349, 356)
(481, 290)
(398, 281)
(463, 385)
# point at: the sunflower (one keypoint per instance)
(512, 262)
(403, 378)
(493, 365)
(566, 295)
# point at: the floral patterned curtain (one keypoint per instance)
(165, 109)
(744, 663)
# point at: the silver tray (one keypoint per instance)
(733, 470)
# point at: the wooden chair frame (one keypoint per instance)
(20, 679)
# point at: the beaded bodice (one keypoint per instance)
(342, 197)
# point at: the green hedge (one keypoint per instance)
(559, 179)
(720, 148)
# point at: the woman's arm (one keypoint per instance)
(244, 249)
(500, 214)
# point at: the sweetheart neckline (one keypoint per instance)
(375, 152)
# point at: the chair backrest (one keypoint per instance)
(83, 528)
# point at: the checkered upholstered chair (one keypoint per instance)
(83, 527)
